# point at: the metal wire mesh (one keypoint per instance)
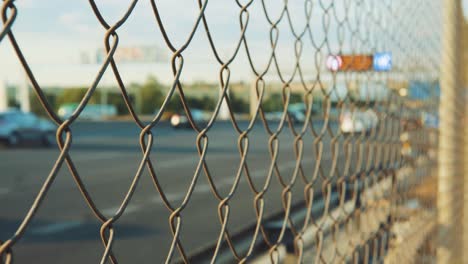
(373, 177)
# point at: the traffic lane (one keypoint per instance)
(147, 216)
(90, 155)
(90, 158)
(94, 156)
(54, 212)
(61, 231)
(102, 129)
(98, 169)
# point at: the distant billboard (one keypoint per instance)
(382, 61)
(420, 90)
(334, 62)
(135, 54)
(358, 62)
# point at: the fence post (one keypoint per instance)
(451, 111)
(464, 86)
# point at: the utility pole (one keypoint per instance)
(450, 197)
(3, 96)
(224, 109)
(22, 94)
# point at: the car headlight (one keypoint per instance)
(175, 120)
(358, 126)
(347, 125)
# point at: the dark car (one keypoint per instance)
(17, 126)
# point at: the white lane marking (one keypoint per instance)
(4, 191)
(128, 210)
(170, 196)
(225, 182)
(263, 172)
(55, 228)
(282, 166)
(167, 164)
(204, 188)
(87, 157)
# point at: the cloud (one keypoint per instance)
(26, 4)
(74, 22)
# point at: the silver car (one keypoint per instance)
(358, 121)
(16, 126)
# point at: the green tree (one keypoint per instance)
(274, 102)
(152, 96)
(13, 103)
(238, 104)
(72, 95)
(75, 95)
(36, 106)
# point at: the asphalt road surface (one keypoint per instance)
(107, 155)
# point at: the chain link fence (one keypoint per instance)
(362, 182)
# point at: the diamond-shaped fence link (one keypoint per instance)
(374, 126)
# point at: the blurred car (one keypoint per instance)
(180, 120)
(296, 112)
(273, 116)
(16, 126)
(90, 112)
(294, 115)
(411, 120)
(297, 116)
(358, 121)
(430, 120)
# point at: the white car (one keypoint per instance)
(16, 126)
(358, 121)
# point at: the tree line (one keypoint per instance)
(148, 97)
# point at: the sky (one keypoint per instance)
(55, 34)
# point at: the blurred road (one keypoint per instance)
(107, 155)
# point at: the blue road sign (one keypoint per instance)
(382, 61)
